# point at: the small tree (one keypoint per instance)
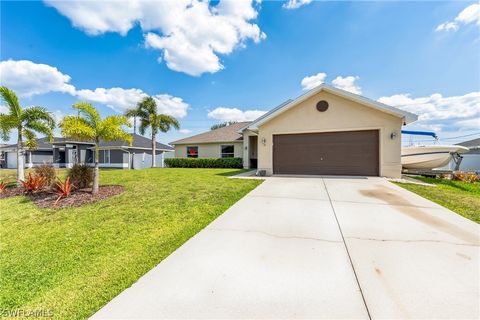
(147, 112)
(27, 122)
(89, 126)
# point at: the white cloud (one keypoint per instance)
(172, 106)
(347, 84)
(190, 33)
(447, 26)
(311, 82)
(470, 14)
(234, 114)
(185, 131)
(470, 124)
(97, 17)
(440, 113)
(58, 115)
(27, 78)
(4, 109)
(294, 4)
(118, 99)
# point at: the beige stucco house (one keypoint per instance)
(222, 142)
(324, 131)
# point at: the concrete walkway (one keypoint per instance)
(317, 248)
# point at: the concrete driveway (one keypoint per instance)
(317, 248)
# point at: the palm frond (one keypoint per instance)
(78, 128)
(40, 127)
(130, 113)
(11, 99)
(148, 104)
(116, 121)
(38, 114)
(7, 123)
(144, 124)
(30, 138)
(166, 122)
(110, 128)
(89, 112)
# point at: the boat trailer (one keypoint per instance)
(434, 173)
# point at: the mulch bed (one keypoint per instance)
(11, 192)
(46, 199)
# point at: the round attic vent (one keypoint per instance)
(322, 106)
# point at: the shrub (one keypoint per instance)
(81, 176)
(460, 176)
(3, 186)
(33, 183)
(46, 171)
(63, 189)
(472, 178)
(204, 163)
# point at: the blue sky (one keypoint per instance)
(207, 63)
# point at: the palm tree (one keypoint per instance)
(27, 122)
(147, 112)
(89, 126)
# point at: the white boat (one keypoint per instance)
(429, 156)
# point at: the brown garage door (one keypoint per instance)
(335, 153)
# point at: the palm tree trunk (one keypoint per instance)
(96, 176)
(154, 149)
(20, 158)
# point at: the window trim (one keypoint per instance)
(222, 154)
(191, 156)
(105, 156)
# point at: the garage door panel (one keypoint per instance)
(347, 153)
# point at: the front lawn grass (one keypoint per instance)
(73, 261)
(460, 197)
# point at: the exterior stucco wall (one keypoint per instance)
(209, 150)
(342, 115)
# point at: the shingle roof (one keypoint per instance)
(473, 145)
(224, 134)
(42, 143)
(470, 143)
(138, 142)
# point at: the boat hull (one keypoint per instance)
(429, 157)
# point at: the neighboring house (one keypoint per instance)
(225, 142)
(3, 156)
(43, 153)
(113, 154)
(326, 131)
(471, 159)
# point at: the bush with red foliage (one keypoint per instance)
(3, 186)
(63, 189)
(33, 183)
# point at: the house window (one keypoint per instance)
(106, 156)
(192, 152)
(227, 151)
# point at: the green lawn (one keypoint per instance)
(460, 197)
(73, 261)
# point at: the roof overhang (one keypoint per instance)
(209, 142)
(129, 147)
(407, 117)
(72, 142)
